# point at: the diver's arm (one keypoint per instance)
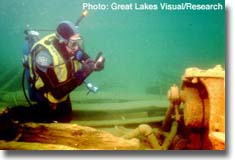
(65, 88)
(88, 66)
(58, 90)
(62, 89)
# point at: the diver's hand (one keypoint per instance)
(99, 64)
(88, 66)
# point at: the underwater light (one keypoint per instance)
(91, 88)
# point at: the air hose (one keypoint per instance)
(23, 86)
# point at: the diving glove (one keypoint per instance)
(88, 66)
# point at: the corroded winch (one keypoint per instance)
(203, 96)
(197, 124)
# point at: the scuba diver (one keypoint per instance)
(57, 65)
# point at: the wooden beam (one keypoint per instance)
(72, 135)
(13, 145)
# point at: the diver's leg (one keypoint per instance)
(63, 112)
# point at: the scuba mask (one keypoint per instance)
(73, 43)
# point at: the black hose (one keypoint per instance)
(23, 87)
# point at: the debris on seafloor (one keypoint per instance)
(194, 120)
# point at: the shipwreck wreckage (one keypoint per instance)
(194, 120)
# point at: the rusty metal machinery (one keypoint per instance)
(199, 123)
(203, 96)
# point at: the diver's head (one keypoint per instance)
(67, 34)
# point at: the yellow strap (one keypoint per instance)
(52, 99)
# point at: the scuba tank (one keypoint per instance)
(31, 37)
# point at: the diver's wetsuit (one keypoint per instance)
(58, 90)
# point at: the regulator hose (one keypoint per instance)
(23, 87)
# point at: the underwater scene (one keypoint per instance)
(164, 62)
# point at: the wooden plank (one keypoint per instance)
(13, 145)
(73, 135)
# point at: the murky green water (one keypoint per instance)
(146, 51)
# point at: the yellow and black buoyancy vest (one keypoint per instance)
(59, 66)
